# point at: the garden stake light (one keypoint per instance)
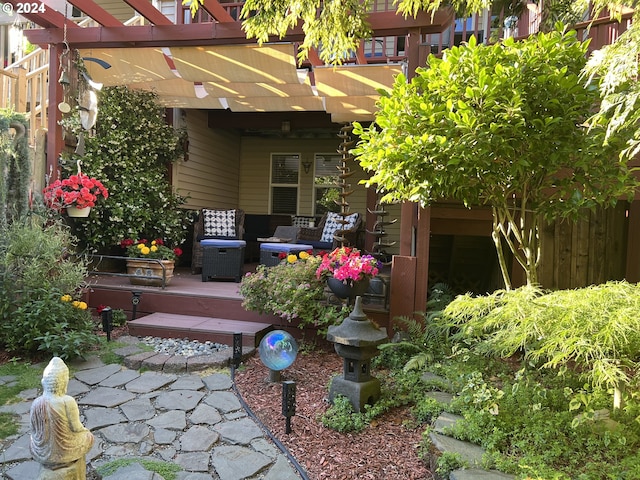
(237, 349)
(107, 321)
(288, 402)
(135, 300)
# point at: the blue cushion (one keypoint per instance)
(217, 242)
(284, 247)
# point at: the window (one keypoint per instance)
(284, 183)
(324, 180)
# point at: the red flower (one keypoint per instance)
(77, 190)
(177, 251)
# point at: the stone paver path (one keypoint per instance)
(186, 418)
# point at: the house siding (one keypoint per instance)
(255, 174)
(210, 176)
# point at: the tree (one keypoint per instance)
(616, 69)
(499, 125)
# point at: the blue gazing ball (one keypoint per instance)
(278, 350)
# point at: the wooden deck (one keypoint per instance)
(186, 308)
(191, 308)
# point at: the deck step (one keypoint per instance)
(170, 325)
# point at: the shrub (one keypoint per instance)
(130, 152)
(40, 307)
(593, 330)
(291, 290)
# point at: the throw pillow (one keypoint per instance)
(333, 223)
(219, 223)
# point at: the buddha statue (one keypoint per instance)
(59, 441)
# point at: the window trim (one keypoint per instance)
(272, 155)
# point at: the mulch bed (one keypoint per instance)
(386, 450)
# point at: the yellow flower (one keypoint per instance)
(82, 305)
(66, 298)
(304, 255)
(292, 258)
(141, 246)
(75, 303)
(153, 247)
(153, 243)
(145, 250)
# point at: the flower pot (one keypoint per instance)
(349, 290)
(76, 212)
(150, 272)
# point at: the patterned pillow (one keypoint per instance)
(333, 223)
(298, 221)
(219, 223)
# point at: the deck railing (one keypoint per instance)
(24, 89)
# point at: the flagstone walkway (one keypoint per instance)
(187, 418)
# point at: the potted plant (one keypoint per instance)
(347, 272)
(150, 262)
(77, 194)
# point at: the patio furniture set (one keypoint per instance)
(219, 240)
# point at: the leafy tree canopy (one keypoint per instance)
(498, 125)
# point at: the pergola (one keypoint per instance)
(212, 65)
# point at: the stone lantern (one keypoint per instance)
(356, 340)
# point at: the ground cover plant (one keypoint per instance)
(545, 381)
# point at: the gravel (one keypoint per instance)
(183, 346)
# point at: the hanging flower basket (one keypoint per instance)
(76, 212)
(78, 191)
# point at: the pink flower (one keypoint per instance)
(348, 265)
(77, 190)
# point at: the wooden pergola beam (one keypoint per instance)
(47, 18)
(97, 13)
(148, 11)
(217, 11)
(200, 34)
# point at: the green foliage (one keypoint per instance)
(15, 167)
(40, 281)
(528, 429)
(168, 471)
(26, 377)
(118, 318)
(420, 339)
(448, 462)
(291, 291)
(535, 372)
(499, 125)
(427, 409)
(615, 69)
(335, 27)
(397, 389)
(557, 330)
(342, 418)
(130, 152)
